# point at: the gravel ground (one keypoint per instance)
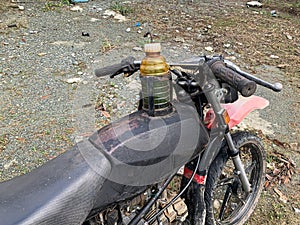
(45, 45)
(42, 111)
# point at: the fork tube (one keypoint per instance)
(234, 154)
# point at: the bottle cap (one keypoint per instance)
(152, 47)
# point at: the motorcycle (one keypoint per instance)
(176, 164)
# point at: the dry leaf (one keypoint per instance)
(269, 177)
(282, 197)
(21, 139)
(45, 96)
(106, 114)
(276, 171)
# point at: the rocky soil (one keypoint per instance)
(50, 97)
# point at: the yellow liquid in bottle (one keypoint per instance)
(156, 84)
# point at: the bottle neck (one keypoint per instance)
(152, 54)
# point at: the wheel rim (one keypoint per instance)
(230, 202)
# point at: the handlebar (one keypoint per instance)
(225, 70)
(109, 70)
(243, 85)
(127, 65)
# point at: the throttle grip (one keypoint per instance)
(243, 85)
(109, 70)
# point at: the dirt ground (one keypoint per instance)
(262, 40)
(266, 45)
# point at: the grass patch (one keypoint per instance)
(51, 5)
(121, 8)
(106, 46)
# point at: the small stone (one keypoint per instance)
(288, 36)
(74, 80)
(21, 8)
(231, 58)
(12, 25)
(137, 49)
(14, 5)
(33, 32)
(177, 31)
(109, 13)
(227, 45)
(85, 34)
(189, 28)
(254, 4)
(80, 73)
(281, 66)
(42, 54)
(94, 19)
(128, 30)
(9, 164)
(295, 145)
(209, 26)
(120, 17)
(274, 13)
(179, 39)
(274, 57)
(297, 211)
(209, 48)
(76, 9)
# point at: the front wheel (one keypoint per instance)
(226, 201)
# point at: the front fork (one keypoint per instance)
(221, 131)
(195, 193)
(239, 167)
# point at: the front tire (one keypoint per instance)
(226, 201)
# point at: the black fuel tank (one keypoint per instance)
(144, 150)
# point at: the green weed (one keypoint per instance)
(121, 8)
(49, 6)
(106, 46)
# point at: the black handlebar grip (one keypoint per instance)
(109, 70)
(243, 85)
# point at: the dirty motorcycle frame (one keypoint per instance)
(87, 179)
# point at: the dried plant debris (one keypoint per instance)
(280, 169)
(3, 141)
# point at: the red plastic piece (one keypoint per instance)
(238, 110)
(197, 178)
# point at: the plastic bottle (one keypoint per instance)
(156, 82)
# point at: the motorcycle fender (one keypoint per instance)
(238, 110)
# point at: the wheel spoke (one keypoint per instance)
(225, 181)
(240, 199)
(230, 204)
(249, 169)
(227, 196)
